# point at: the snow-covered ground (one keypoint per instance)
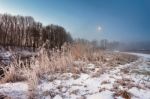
(133, 78)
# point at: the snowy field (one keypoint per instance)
(120, 82)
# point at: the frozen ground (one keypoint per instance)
(130, 80)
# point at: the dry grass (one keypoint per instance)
(89, 54)
(13, 75)
(60, 61)
(86, 52)
(123, 93)
(33, 81)
(105, 82)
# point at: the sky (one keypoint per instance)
(115, 20)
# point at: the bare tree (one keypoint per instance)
(20, 31)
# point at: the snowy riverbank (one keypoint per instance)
(131, 79)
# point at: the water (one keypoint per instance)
(141, 51)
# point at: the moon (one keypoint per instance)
(99, 28)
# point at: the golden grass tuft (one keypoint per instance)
(13, 75)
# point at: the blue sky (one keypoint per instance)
(120, 20)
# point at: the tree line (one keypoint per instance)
(24, 31)
(103, 44)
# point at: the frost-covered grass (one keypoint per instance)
(71, 73)
(113, 83)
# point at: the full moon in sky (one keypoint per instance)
(99, 28)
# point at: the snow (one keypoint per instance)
(6, 54)
(15, 90)
(102, 95)
(57, 97)
(139, 93)
(5, 57)
(100, 87)
(141, 55)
